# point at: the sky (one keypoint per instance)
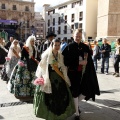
(40, 3)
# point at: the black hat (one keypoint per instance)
(51, 34)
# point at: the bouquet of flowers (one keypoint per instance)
(21, 63)
(7, 58)
(39, 81)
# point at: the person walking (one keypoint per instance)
(105, 50)
(53, 99)
(7, 46)
(20, 83)
(12, 57)
(95, 53)
(117, 58)
(81, 71)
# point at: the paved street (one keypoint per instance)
(106, 106)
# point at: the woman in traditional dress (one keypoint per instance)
(53, 100)
(21, 80)
(14, 56)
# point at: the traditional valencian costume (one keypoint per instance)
(14, 55)
(53, 100)
(20, 82)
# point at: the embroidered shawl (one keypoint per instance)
(42, 70)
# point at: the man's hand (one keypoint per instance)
(103, 51)
(83, 62)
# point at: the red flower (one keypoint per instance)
(39, 81)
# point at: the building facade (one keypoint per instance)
(108, 24)
(20, 12)
(39, 26)
(62, 19)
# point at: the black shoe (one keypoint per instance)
(77, 118)
(79, 111)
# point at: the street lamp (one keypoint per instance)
(25, 30)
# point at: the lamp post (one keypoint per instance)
(25, 29)
(21, 30)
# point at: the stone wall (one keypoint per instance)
(108, 24)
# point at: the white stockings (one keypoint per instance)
(76, 105)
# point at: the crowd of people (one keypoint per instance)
(103, 52)
(56, 75)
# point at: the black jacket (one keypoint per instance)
(31, 64)
(7, 46)
(3, 54)
(107, 49)
(89, 83)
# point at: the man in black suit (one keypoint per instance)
(105, 50)
(7, 46)
(46, 44)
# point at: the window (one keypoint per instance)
(59, 30)
(26, 8)
(80, 16)
(51, 12)
(14, 7)
(48, 13)
(53, 21)
(65, 29)
(53, 29)
(77, 3)
(81, 2)
(62, 7)
(48, 30)
(72, 28)
(65, 18)
(48, 22)
(72, 19)
(59, 21)
(80, 25)
(73, 5)
(3, 6)
(76, 25)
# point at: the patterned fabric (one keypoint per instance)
(57, 105)
(10, 65)
(20, 83)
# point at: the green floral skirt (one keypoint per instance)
(20, 83)
(55, 106)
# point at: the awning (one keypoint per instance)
(8, 21)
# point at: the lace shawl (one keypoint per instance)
(42, 70)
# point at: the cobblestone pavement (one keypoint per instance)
(106, 106)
